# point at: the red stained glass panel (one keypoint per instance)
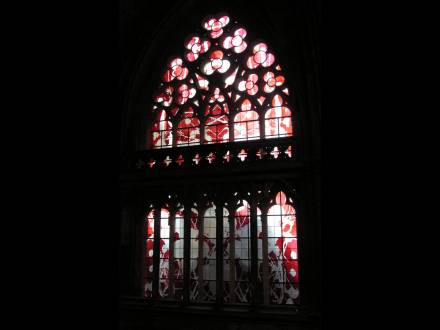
(282, 252)
(149, 252)
(246, 126)
(193, 79)
(217, 129)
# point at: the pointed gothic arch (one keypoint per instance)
(234, 86)
(240, 171)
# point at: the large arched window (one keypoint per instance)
(240, 248)
(217, 89)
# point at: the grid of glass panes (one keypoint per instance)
(164, 266)
(149, 252)
(282, 253)
(217, 129)
(259, 289)
(194, 254)
(246, 126)
(242, 263)
(188, 136)
(278, 122)
(227, 262)
(207, 289)
(188, 132)
(178, 241)
(162, 134)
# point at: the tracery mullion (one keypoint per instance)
(202, 130)
(231, 123)
(262, 123)
(174, 132)
(203, 117)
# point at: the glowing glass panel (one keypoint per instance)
(278, 120)
(282, 252)
(203, 76)
(217, 129)
(246, 126)
(178, 241)
(149, 252)
(164, 265)
(188, 132)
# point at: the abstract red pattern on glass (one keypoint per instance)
(246, 69)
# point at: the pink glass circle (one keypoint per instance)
(249, 84)
(196, 48)
(216, 26)
(176, 70)
(237, 41)
(216, 63)
(260, 57)
(185, 93)
(271, 82)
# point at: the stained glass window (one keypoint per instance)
(219, 88)
(278, 121)
(176, 274)
(277, 278)
(194, 253)
(246, 123)
(164, 266)
(203, 257)
(282, 252)
(188, 130)
(224, 87)
(162, 131)
(149, 252)
(237, 256)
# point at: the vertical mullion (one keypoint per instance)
(156, 253)
(265, 256)
(174, 135)
(188, 134)
(202, 131)
(231, 126)
(219, 254)
(262, 126)
(186, 252)
(254, 251)
(278, 127)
